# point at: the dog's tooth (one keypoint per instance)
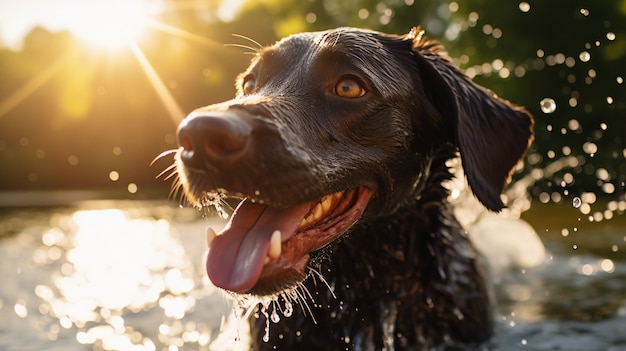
(305, 221)
(317, 212)
(210, 235)
(333, 199)
(337, 195)
(326, 203)
(275, 246)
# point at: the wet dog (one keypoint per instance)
(337, 143)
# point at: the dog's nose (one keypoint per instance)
(213, 138)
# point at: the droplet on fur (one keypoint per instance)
(266, 336)
(275, 317)
(288, 309)
(222, 212)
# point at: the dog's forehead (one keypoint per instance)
(377, 55)
(349, 40)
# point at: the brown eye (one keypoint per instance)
(349, 88)
(249, 86)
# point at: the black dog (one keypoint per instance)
(337, 143)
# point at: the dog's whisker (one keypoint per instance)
(258, 45)
(304, 305)
(163, 154)
(173, 174)
(323, 280)
(242, 46)
(176, 192)
(171, 168)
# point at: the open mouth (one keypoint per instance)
(264, 250)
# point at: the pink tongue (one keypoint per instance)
(236, 255)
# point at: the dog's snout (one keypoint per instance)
(216, 139)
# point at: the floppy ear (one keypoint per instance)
(492, 134)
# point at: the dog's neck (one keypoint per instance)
(416, 273)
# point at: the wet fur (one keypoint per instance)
(405, 277)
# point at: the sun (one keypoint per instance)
(106, 24)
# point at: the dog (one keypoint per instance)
(338, 143)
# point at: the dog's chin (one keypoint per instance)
(274, 283)
(265, 250)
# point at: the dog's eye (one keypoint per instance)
(349, 87)
(249, 86)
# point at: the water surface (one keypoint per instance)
(129, 275)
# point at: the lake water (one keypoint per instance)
(129, 275)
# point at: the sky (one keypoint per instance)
(18, 17)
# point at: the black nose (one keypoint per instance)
(216, 139)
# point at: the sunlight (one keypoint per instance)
(115, 262)
(172, 107)
(166, 28)
(23, 92)
(106, 24)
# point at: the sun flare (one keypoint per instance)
(108, 24)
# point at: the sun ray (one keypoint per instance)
(166, 28)
(28, 88)
(172, 107)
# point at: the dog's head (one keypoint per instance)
(329, 129)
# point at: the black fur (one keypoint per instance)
(405, 277)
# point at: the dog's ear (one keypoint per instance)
(492, 135)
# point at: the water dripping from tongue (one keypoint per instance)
(235, 258)
(266, 336)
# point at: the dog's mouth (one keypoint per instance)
(264, 250)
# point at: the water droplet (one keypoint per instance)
(222, 213)
(458, 314)
(584, 56)
(610, 36)
(577, 202)
(275, 317)
(266, 336)
(548, 105)
(524, 6)
(288, 309)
